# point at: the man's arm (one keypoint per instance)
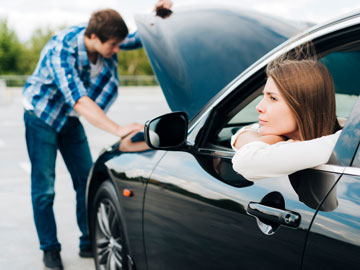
(87, 108)
(132, 41)
(66, 76)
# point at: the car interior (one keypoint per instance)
(343, 64)
(238, 108)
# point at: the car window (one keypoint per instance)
(356, 162)
(248, 114)
(344, 104)
(342, 66)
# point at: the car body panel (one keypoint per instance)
(181, 206)
(338, 231)
(189, 209)
(356, 162)
(334, 238)
(125, 174)
(216, 44)
(348, 142)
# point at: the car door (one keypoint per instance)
(334, 238)
(193, 220)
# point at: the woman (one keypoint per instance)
(297, 122)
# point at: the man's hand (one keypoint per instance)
(123, 131)
(126, 145)
(167, 4)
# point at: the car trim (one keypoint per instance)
(338, 169)
(310, 34)
(330, 168)
(352, 171)
(228, 154)
(220, 153)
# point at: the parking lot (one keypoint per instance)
(19, 247)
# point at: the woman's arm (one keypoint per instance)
(250, 134)
(253, 136)
(257, 160)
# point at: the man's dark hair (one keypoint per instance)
(106, 24)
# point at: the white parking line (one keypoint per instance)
(25, 166)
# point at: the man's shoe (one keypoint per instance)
(52, 260)
(86, 252)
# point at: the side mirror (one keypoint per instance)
(167, 132)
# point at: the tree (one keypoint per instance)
(10, 49)
(32, 49)
(134, 62)
(21, 58)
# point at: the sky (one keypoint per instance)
(24, 16)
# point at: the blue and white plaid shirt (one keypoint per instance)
(62, 76)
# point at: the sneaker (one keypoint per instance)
(86, 252)
(52, 260)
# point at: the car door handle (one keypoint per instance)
(275, 215)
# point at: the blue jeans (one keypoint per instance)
(42, 144)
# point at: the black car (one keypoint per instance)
(181, 205)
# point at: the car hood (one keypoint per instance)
(196, 52)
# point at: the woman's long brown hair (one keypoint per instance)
(308, 89)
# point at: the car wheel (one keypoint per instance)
(108, 238)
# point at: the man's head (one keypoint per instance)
(106, 30)
(106, 24)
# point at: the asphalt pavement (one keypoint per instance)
(19, 247)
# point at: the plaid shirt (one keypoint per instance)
(62, 76)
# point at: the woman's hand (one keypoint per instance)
(246, 137)
(252, 136)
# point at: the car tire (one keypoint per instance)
(109, 243)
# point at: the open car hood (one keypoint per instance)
(197, 52)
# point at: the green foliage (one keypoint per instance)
(134, 62)
(31, 50)
(18, 58)
(21, 58)
(10, 49)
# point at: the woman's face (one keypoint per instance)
(275, 116)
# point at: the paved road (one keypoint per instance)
(19, 247)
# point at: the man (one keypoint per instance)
(75, 76)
